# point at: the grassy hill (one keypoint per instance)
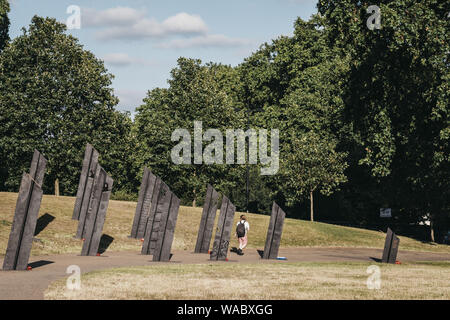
(57, 237)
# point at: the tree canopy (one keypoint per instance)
(4, 23)
(397, 98)
(56, 97)
(363, 114)
(196, 92)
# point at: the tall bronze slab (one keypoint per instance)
(149, 206)
(148, 193)
(207, 221)
(274, 232)
(90, 162)
(390, 247)
(96, 216)
(25, 216)
(223, 231)
(84, 213)
(161, 205)
(138, 212)
(167, 230)
(86, 200)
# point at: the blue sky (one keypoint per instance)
(140, 41)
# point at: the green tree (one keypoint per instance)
(196, 92)
(4, 23)
(56, 97)
(298, 83)
(397, 99)
(313, 155)
(312, 164)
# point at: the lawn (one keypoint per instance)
(268, 281)
(57, 237)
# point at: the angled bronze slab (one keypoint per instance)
(160, 205)
(274, 232)
(37, 167)
(167, 230)
(223, 231)
(25, 216)
(390, 247)
(96, 216)
(148, 193)
(90, 162)
(138, 212)
(84, 213)
(207, 221)
(85, 202)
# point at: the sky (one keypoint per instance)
(140, 41)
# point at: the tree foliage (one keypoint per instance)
(4, 23)
(196, 92)
(297, 82)
(312, 164)
(56, 97)
(397, 98)
(363, 114)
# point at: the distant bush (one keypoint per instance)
(124, 196)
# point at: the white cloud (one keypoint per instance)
(130, 99)
(128, 23)
(124, 23)
(123, 60)
(213, 40)
(145, 28)
(118, 59)
(184, 23)
(111, 17)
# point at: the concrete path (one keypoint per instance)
(27, 285)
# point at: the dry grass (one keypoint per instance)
(57, 237)
(271, 281)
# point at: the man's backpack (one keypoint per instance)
(240, 230)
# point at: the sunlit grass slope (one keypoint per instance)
(57, 237)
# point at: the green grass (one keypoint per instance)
(268, 281)
(57, 237)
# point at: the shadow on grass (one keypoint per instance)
(105, 242)
(43, 222)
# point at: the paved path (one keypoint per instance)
(32, 284)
